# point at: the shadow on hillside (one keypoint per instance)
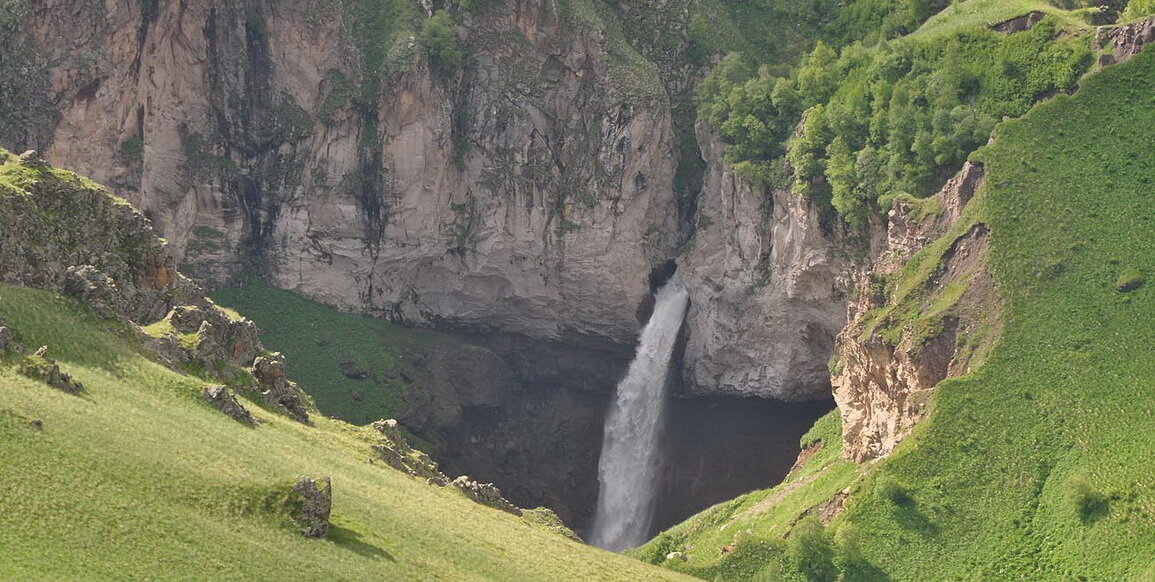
(351, 540)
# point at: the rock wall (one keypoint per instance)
(900, 343)
(528, 190)
(767, 294)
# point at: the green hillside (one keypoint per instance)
(136, 478)
(1041, 465)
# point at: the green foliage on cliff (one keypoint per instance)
(860, 125)
(139, 479)
(1040, 464)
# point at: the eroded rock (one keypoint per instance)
(221, 398)
(310, 503)
(394, 450)
(276, 389)
(485, 494)
(40, 367)
(884, 375)
(766, 299)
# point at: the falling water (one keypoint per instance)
(628, 467)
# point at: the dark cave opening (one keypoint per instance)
(540, 440)
(716, 448)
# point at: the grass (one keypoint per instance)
(1041, 464)
(317, 340)
(138, 479)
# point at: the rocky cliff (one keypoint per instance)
(528, 189)
(534, 184)
(927, 310)
(767, 289)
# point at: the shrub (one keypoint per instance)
(1089, 503)
(1129, 280)
(810, 551)
(440, 42)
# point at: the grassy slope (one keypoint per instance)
(139, 479)
(1042, 464)
(316, 339)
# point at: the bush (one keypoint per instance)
(1129, 280)
(811, 551)
(1089, 504)
(440, 42)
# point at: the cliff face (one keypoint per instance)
(767, 290)
(926, 311)
(528, 190)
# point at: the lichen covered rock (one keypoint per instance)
(310, 503)
(395, 451)
(276, 390)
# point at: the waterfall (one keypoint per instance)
(627, 470)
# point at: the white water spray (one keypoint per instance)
(628, 466)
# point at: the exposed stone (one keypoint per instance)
(37, 424)
(225, 401)
(69, 236)
(544, 516)
(40, 367)
(6, 340)
(394, 450)
(883, 386)
(765, 296)
(93, 287)
(676, 556)
(310, 502)
(1125, 41)
(485, 494)
(1018, 23)
(276, 389)
(32, 159)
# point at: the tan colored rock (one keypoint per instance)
(533, 194)
(882, 388)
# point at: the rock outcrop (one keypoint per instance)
(278, 391)
(39, 366)
(485, 494)
(221, 398)
(394, 450)
(1124, 41)
(766, 299)
(903, 339)
(62, 233)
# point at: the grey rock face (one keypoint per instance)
(276, 389)
(40, 367)
(531, 192)
(310, 502)
(395, 451)
(221, 398)
(766, 295)
(485, 494)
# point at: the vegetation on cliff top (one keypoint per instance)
(1037, 466)
(854, 127)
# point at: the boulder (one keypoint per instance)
(310, 502)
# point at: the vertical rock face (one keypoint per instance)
(766, 297)
(529, 190)
(896, 348)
